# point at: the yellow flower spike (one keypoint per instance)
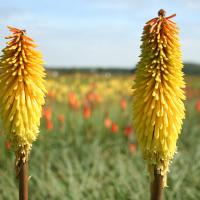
(158, 109)
(22, 92)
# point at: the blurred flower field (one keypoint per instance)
(87, 150)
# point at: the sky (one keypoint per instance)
(82, 33)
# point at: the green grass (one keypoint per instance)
(88, 162)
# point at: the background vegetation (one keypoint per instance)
(86, 149)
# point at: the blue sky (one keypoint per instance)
(97, 32)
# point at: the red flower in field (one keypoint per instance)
(86, 112)
(123, 104)
(7, 145)
(128, 130)
(132, 148)
(198, 106)
(49, 125)
(107, 122)
(47, 112)
(114, 128)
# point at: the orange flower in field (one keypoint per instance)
(98, 98)
(107, 122)
(93, 97)
(132, 148)
(73, 101)
(90, 97)
(86, 112)
(123, 104)
(128, 130)
(72, 96)
(198, 106)
(114, 128)
(7, 145)
(49, 125)
(51, 95)
(47, 112)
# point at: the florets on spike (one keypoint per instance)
(158, 109)
(22, 91)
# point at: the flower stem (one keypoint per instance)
(157, 186)
(23, 181)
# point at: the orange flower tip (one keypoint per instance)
(171, 16)
(161, 13)
(16, 30)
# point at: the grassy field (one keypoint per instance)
(86, 149)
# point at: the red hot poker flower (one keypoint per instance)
(86, 112)
(107, 122)
(123, 104)
(128, 130)
(132, 148)
(114, 128)
(198, 106)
